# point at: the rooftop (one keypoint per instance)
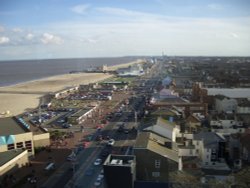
(228, 92)
(9, 126)
(210, 139)
(151, 141)
(80, 112)
(8, 155)
(120, 160)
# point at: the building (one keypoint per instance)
(12, 160)
(227, 127)
(243, 107)
(154, 159)
(207, 94)
(225, 104)
(17, 142)
(165, 129)
(120, 171)
(132, 70)
(167, 81)
(66, 92)
(81, 115)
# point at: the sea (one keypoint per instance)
(15, 72)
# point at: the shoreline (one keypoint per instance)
(111, 68)
(18, 98)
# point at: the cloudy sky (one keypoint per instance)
(32, 29)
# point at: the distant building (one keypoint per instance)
(227, 127)
(208, 94)
(243, 107)
(132, 70)
(166, 81)
(81, 115)
(120, 171)
(225, 104)
(165, 94)
(66, 92)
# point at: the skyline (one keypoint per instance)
(78, 29)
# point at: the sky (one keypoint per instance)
(33, 29)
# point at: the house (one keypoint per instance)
(210, 147)
(154, 160)
(165, 128)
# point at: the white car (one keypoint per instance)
(97, 183)
(97, 162)
(111, 142)
(100, 177)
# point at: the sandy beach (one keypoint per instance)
(19, 98)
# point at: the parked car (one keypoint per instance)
(98, 162)
(111, 142)
(66, 125)
(98, 183)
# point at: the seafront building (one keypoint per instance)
(17, 143)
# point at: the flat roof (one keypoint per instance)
(81, 112)
(9, 126)
(231, 93)
(8, 155)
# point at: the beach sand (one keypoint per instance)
(22, 97)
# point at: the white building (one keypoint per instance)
(225, 104)
(243, 107)
(227, 127)
(133, 70)
(235, 93)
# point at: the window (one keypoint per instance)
(11, 146)
(157, 163)
(197, 143)
(19, 145)
(28, 146)
(156, 174)
(191, 152)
